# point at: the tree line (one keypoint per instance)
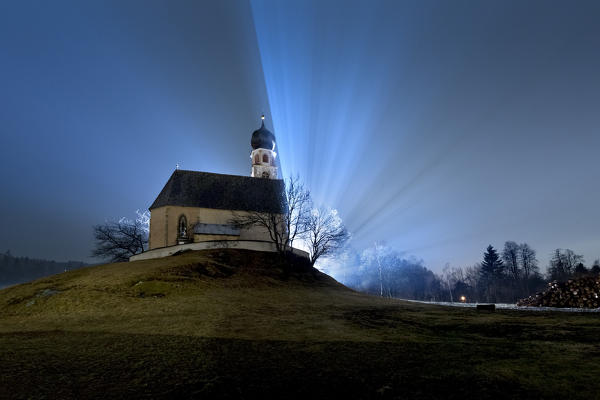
(15, 270)
(513, 273)
(503, 276)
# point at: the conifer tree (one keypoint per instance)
(491, 272)
(492, 266)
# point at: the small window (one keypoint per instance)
(265, 174)
(265, 158)
(256, 159)
(182, 227)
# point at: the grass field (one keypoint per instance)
(235, 324)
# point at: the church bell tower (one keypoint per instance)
(263, 152)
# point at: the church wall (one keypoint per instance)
(164, 220)
(158, 228)
(222, 244)
(206, 237)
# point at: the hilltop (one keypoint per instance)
(239, 324)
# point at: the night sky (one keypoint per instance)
(437, 126)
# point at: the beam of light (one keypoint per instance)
(399, 116)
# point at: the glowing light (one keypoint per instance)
(463, 299)
(324, 114)
(262, 117)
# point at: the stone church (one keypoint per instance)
(195, 207)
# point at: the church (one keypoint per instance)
(194, 209)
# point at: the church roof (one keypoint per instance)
(223, 192)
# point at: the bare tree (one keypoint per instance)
(325, 233)
(510, 256)
(529, 265)
(453, 278)
(122, 239)
(572, 259)
(380, 265)
(284, 226)
(376, 257)
(446, 278)
(472, 276)
(529, 262)
(563, 263)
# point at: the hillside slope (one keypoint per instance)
(226, 293)
(238, 324)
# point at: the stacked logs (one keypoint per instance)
(575, 293)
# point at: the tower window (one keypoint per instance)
(256, 159)
(265, 158)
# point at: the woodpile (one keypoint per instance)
(574, 293)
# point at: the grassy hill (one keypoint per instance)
(238, 324)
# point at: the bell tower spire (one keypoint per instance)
(263, 152)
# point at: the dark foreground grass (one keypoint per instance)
(201, 328)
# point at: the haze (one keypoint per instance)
(439, 127)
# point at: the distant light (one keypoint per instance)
(463, 299)
(262, 117)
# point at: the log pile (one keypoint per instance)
(574, 293)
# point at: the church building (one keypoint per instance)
(196, 206)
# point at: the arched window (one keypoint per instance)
(182, 227)
(265, 158)
(256, 159)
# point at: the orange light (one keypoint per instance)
(463, 299)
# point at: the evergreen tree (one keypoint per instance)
(492, 266)
(491, 271)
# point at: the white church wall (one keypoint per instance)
(217, 244)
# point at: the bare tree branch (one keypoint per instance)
(117, 241)
(325, 233)
(285, 226)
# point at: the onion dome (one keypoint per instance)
(262, 138)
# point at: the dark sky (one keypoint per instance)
(438, 126)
